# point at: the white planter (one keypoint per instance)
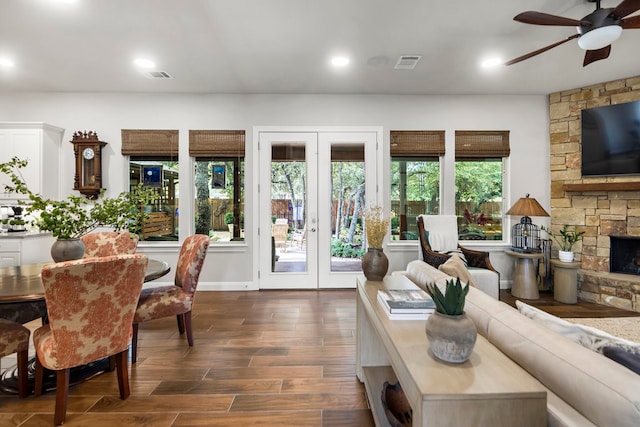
(565, 256)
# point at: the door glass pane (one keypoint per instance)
(348, 204)
(288, 208)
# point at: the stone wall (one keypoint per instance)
(600, 213)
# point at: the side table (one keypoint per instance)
(565, 281)
(525, 282)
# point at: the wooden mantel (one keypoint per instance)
(603, 186)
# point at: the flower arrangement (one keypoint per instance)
(75, 216)
(375, 224)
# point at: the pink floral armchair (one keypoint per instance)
(91, 303)
(105, 243)
(14, 338)
(174, 300)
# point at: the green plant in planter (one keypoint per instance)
(452, 301)
(228, 218)
(566, 237)
(75, 216)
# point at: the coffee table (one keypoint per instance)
(487, 390)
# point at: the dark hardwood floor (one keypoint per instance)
(268, 358)
(581, 309)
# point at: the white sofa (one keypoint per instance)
(584, 388)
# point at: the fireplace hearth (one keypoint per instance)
(625, 255)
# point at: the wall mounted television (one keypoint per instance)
(611, 140)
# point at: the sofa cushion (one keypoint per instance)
(481, 307)
(487, 281)
(421, 273)
(456, 267)
(597, 387)
(587, 336)
(623, 357)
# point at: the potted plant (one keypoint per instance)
(451, 334)
(228, 219)
(565, 238)
(374, 262)
(68, 219)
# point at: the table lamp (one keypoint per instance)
(525, 236)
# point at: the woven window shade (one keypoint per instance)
(417, 143)
(216, 143)
(143, 142)
(482, 144)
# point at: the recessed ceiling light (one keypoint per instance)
(491, 62)
(6, 63)
(340, 61)
(144, 63)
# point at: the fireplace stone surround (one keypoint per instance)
(603, 207)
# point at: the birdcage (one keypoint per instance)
(525, 236)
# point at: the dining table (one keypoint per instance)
(22, 300)
(22, 294)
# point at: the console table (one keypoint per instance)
(487, 390)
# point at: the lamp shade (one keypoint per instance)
(527, 206)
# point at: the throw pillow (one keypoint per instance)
(456, 267)
(623, 357)
(587, 336)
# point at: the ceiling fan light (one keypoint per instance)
(600, 37)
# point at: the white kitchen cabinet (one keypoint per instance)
(40, 144)
(25, 248)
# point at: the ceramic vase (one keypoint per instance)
(451, 338)
(375, 264)
(565, 256)
(67, 249)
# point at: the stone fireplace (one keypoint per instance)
(606, 208)
(625, 255)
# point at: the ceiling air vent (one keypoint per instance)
(407, 62)
(157, 75)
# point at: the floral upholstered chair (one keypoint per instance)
(174, 300)
(14, 338)
(91, 303)
(105, 243)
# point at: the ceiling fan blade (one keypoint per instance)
(539, 18)
(596, 55)
(631, 23)
(539, 51)
(625, 8)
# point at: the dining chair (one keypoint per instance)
(177, 299)
(91, 303)
(105, 243)
(14, 338)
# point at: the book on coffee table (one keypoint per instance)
(409, 302)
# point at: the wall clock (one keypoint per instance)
(88, 153)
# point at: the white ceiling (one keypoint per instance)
(284, 46)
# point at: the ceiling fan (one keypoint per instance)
(596, 31)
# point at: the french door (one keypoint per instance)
(313, 187)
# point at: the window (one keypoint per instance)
(154, 162)
(479, 183)
(219, 183)
(415, 179)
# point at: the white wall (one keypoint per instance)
(107, 113)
